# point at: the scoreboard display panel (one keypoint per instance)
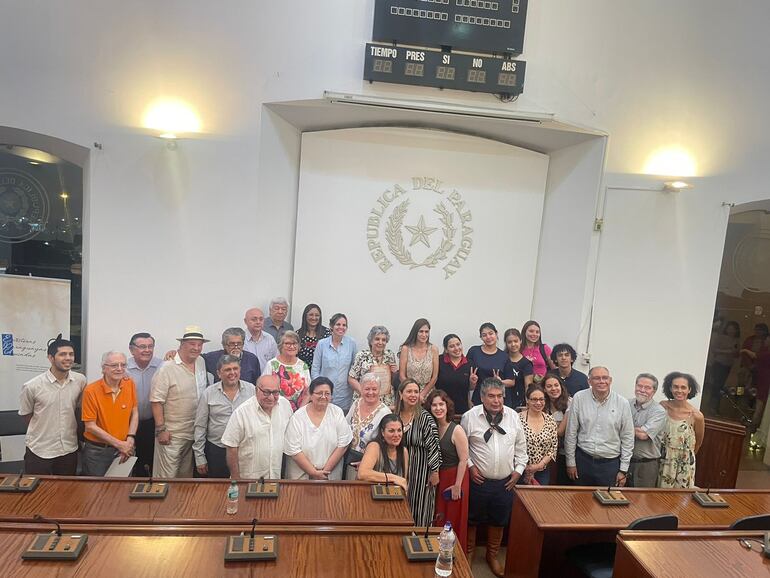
(423, 67)
(494, 26)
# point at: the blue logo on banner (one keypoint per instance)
(7, 344)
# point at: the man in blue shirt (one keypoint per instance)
(563, 355)
(233, 340)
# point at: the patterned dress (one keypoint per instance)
(294, 379)
(365, 363)
(308, 344)
(421, 440)
(677, 459)
(419, 370)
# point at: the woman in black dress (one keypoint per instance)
(454, 374)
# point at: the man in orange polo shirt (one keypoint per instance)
(111, 416)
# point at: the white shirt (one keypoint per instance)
(53, 405)
(317, 443)
(502, 454)
(258, 435)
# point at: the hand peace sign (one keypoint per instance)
(474, 378)
(496, 374)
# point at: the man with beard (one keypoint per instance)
(49, 403)
(649, 420)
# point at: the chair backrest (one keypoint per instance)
(661, 522)
(758, 522)
(12, 424)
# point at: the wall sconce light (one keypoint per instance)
(171, 118)
(675, 186)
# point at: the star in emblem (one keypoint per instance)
(420, 232)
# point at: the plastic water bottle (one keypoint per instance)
(446, 547)
(232, 498)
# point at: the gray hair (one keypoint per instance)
(491, 383)
(233, 332)
(278, 301)
(375, 331)
(595, 367)
(370, 377)
(106, 356)
(649, 376)
(287, 336)
(227, 360)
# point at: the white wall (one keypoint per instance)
(344, 175)
(169, 241)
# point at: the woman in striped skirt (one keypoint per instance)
(421, 440)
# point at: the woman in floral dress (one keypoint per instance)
(683, 434)
(293, 373)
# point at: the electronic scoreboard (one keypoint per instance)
(457, 44)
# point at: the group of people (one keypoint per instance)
(274, 403)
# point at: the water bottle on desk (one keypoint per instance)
(232, 498)
(446, 547)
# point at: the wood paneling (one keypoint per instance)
(203, 501)
(548, 520)
(679, 554)
(717, 462)
(178, 551)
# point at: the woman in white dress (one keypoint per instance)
(317, 436)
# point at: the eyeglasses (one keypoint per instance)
(537, 399)
(143, 347)
(322, 393)
(269, 392)
(290, 344)
(115, 365)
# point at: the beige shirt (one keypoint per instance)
(53, 406)
(178, 389)
(258, 437)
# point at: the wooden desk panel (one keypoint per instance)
(299, 502)
(165, 551)
(548, 520)
(563, 508)
(677, 554)
(103, 500)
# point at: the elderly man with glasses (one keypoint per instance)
(254, 435)
(111, 415)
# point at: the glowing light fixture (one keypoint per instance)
(64, 195)
(171, 118)
(676, 186)
(670, 161)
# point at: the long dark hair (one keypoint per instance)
(527, 325)
(320, 330)
(380, 439)
(411, 339)
(562, 402)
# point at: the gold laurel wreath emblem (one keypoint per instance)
(396, 241)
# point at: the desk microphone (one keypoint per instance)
(18, 479)
(251, 536)
(41, 519)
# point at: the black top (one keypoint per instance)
(575, 381)
(308, 344)
(455, 382)
(250, 369)
(516, 396)
(449, 457)
(485, 363)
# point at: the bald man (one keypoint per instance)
(258, 342)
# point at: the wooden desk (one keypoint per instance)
(106, 501)
(134, 552)
(548, 520)
(678, 554)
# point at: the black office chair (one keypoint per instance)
(596, 560)
(12, 424)
(758, 522)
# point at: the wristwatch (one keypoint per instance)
(131, 436)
